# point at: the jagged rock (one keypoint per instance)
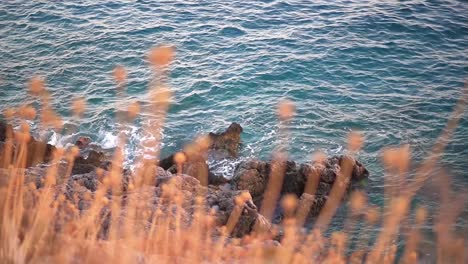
(82, 142)
(228, 140)
(160, 196)
(253, 176)
(224, 144)
(88, 180)
(79, 190)
(223, 202)
(4, 130)
(37, 174)
(312, 204)
(195, 166)
(39, 152)
(90, 163)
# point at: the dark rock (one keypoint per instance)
(76, 183)
(39, 152)
(195, 166)
(228, 140)
(329, 174)
(88, 180)
(313, 203)
(167, 162)
(82, 142)
(224, 144)
(37, 174)
(253, 175)
(359, 172)
(222, 201)
(79, 189)
(5, 129)
(89, 164)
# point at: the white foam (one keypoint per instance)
(60, 140)
(109, 141)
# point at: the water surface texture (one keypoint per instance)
(392, 69)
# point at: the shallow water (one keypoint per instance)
(391, 69)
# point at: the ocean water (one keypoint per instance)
(391, 69)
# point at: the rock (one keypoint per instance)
(313, 203)
(194, 166)
(167, 162)
(359, 171)
(39, 152)
(153, 175)
(224, 202)
(82, 142)
(80, 189)
(87, 180)
(4, 130)
(225, 144)
(228, 140)
(253, 176)
(84, 165)
(37, 174)
(219, 200)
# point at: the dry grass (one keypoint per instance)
(43, 226)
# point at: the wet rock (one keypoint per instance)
(82, 142)
(359, 171)
(222, 145)
(227, 141)
(37, 151)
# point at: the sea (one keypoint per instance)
(393, 70)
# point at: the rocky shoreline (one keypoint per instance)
(249, 181)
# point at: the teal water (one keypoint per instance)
(392, 69)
